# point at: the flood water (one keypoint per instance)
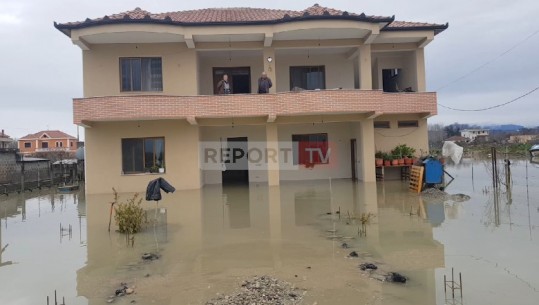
(211, 239)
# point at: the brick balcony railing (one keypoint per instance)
(152, 107)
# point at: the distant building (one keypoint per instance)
(458, 139)
(5, 140)
(471, 134)
(47, 141)
(523, 138)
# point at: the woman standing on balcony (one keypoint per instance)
(223, 86)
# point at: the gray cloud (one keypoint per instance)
(42, 69)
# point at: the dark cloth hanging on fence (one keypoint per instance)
(153, 191)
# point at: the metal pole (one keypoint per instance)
(55, 300)
(452, 283)
(460, 279)
(445, 284)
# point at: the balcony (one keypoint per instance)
(269, 106)
(52, 149)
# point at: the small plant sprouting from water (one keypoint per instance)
(365, 220)
(129, 215)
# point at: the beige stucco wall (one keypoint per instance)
(206, 65)
(101, 68)
(104, 159)
(416, 137)
(339, 135)
(339, 70)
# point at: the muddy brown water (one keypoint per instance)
(213, 239)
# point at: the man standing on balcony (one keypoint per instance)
(264, 83)
(223, 86)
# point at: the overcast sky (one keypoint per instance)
(41, 69)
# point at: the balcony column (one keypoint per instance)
(365, 67)
(366, 150)
(420, 70)
(269, 68)
(272, 147)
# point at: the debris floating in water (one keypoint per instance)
(353, 254)
(261, 291)
(368, 266)
(150, 256)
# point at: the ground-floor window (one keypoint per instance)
(143, 155)
(382, 124)
(311, 149)
(405, 124)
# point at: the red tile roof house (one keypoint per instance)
(344, 85)
(47, 141)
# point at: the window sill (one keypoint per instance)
(143, 174)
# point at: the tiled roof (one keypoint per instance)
(245, 16)
(3, 135)
(242, 15)
(54, 134)
(407, 25)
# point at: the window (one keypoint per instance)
(27, 144)
(404, 124)
(59, 144)
(71, 144)
(44, 144)
(141, 74)
(311, 149)
(382, 124)
(143, 155)
(308, 78)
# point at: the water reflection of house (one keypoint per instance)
(149, 81)
(222, 231)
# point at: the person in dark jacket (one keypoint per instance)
(264, 83)
(223, 86)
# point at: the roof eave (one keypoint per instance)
(66, 28)
(436, 28)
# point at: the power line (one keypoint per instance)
(495, 106)
(488, 62)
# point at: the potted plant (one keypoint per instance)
(387, 159)
(379, 158)
(395, 160)
(154, 169)
(162, 168)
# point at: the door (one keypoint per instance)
(238, 77)
(235, 158)
(353, 162)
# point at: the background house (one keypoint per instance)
(471, 134)
(47, 141)
(6, 141)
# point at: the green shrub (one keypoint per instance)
(129, 216)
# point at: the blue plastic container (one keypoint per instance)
(434, 171)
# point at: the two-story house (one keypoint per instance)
(472, 134)
(47, 141)
(5, 140)
(343, 86)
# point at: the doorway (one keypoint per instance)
(238, 77)
(353, 153)
(236, 163)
